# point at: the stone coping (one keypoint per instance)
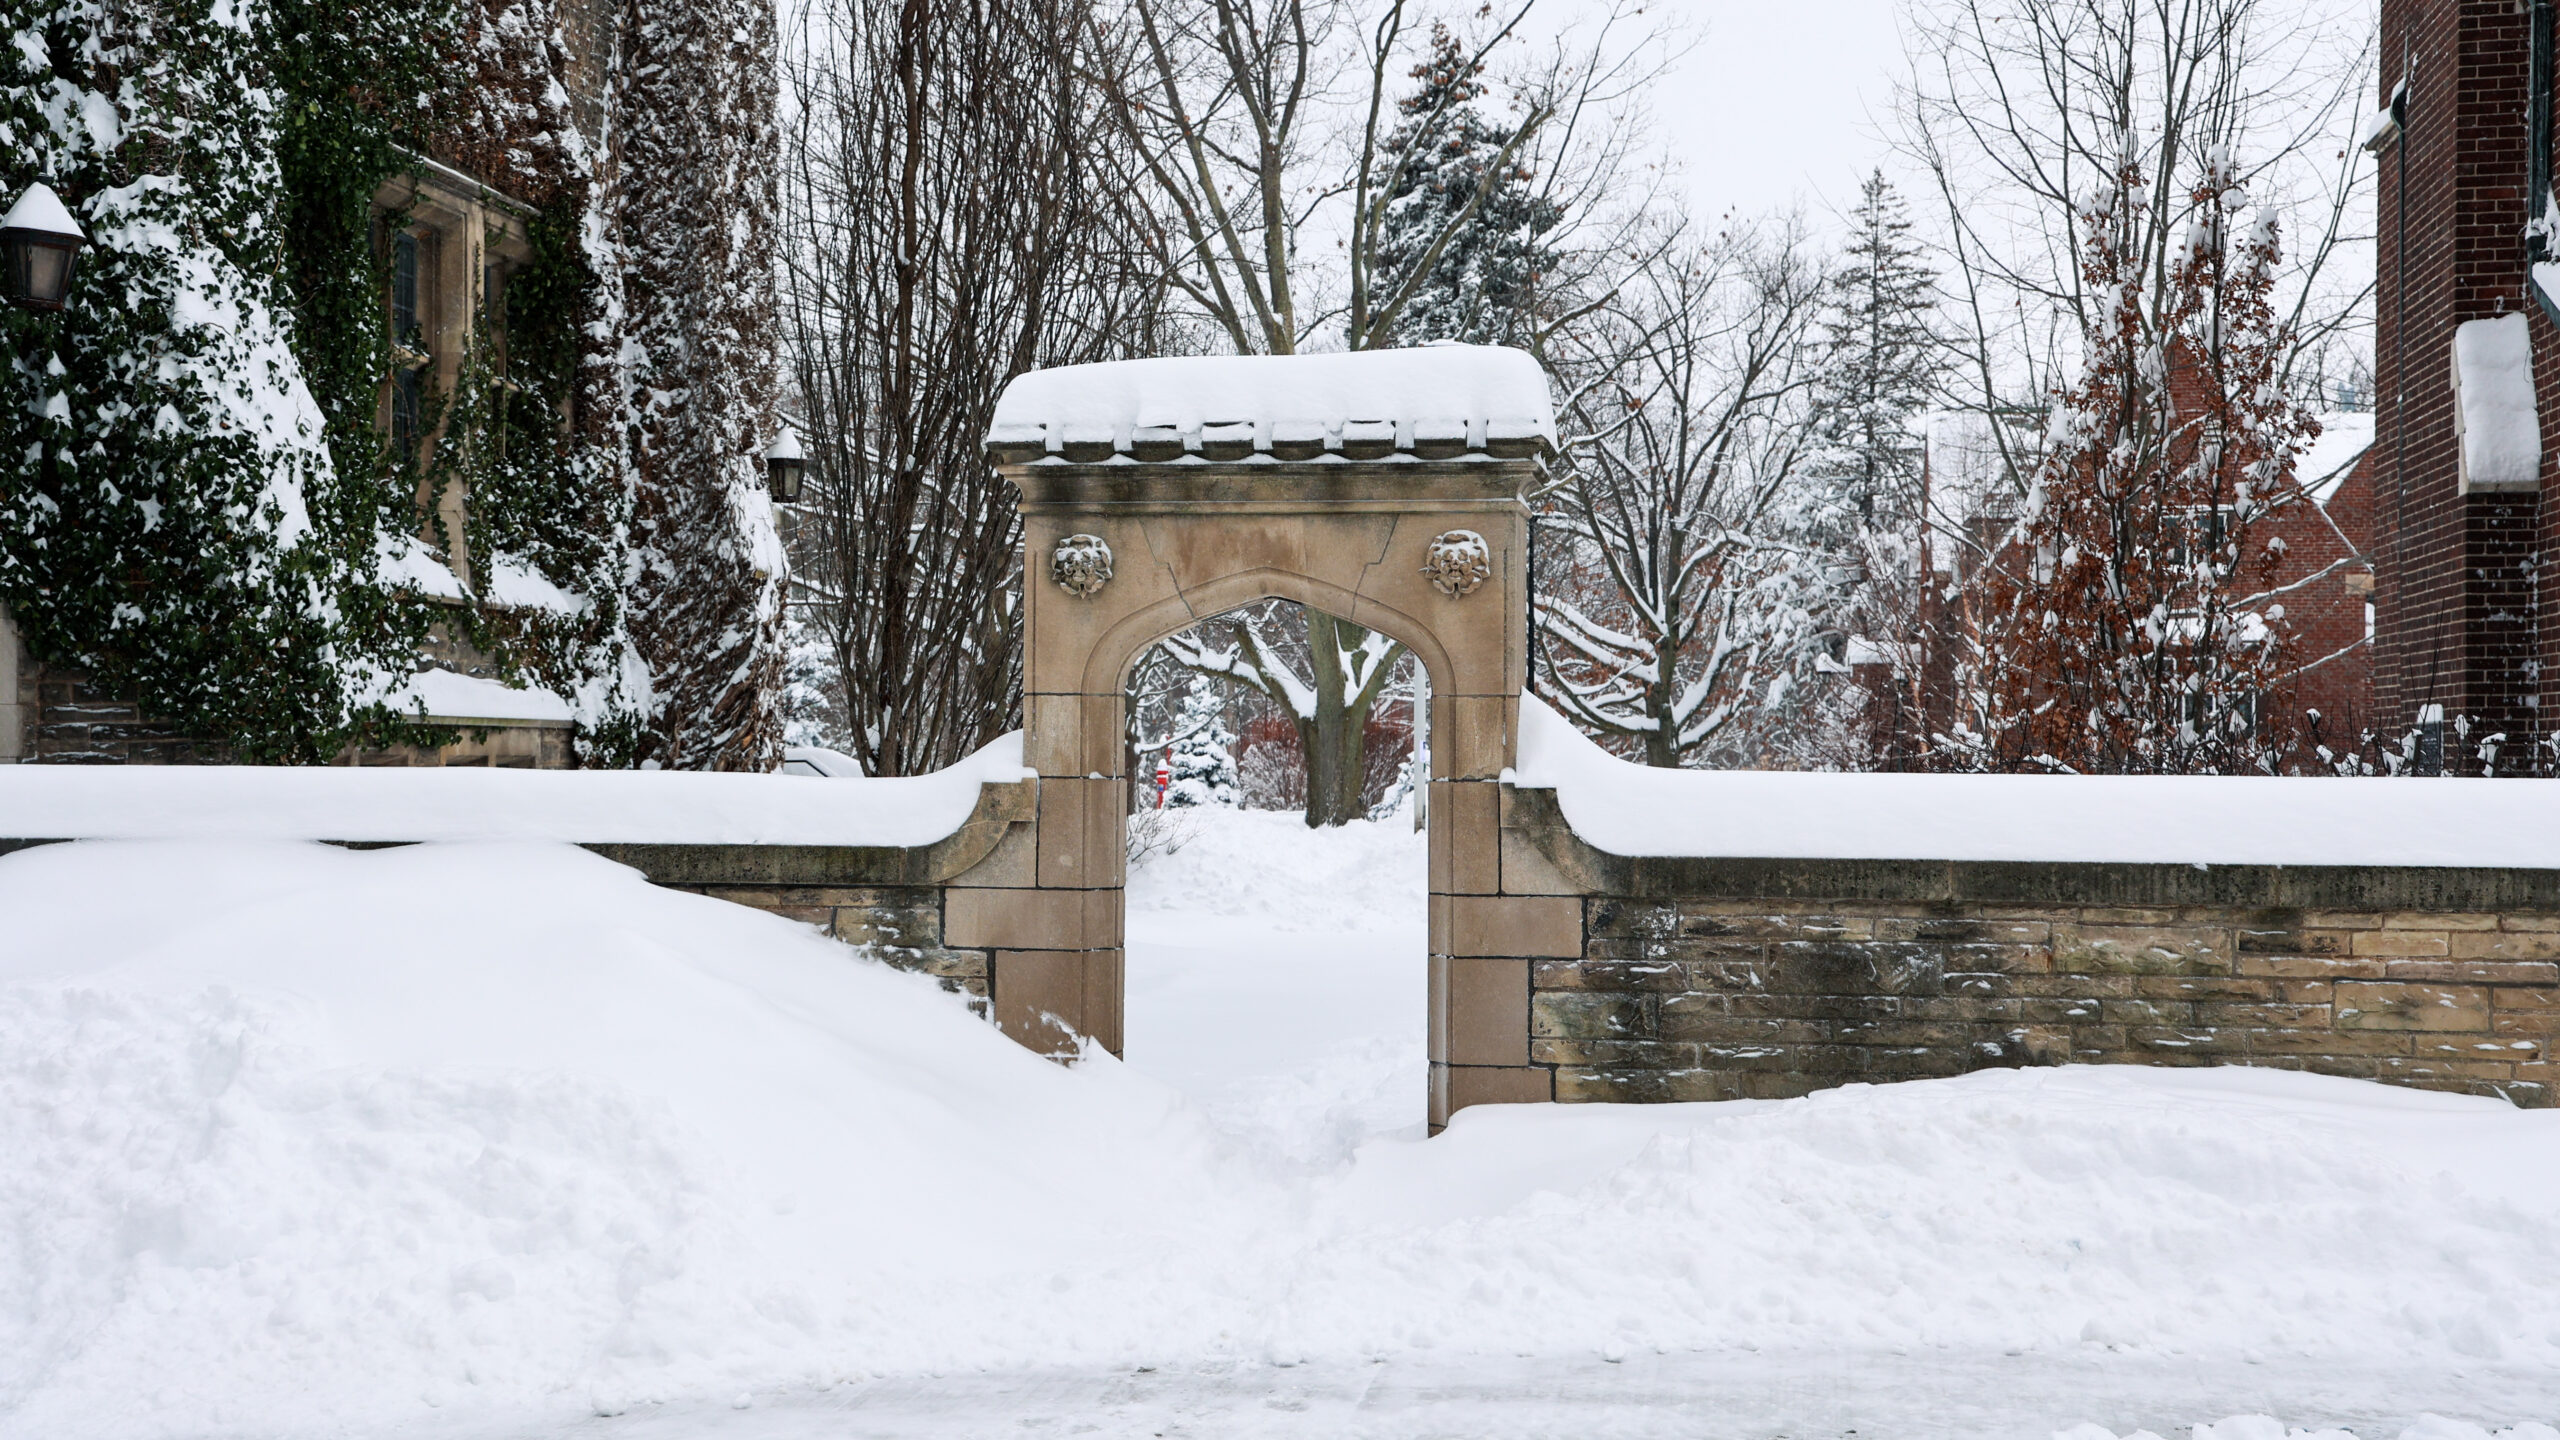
(2465, 889)
(1238, 486)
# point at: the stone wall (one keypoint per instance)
(64, 717)
(899, 925)
(1710, 979)
(902, 906)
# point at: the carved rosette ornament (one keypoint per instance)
(1458, 562)
(1081, 565)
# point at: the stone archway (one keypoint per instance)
(1412, 524)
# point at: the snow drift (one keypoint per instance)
(302, 1140)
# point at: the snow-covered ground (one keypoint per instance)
(491, 1140)
(1278, 977)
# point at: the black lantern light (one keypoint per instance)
(38, 242)
(784, 465)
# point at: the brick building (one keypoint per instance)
(2459, 528)
(2316, 535)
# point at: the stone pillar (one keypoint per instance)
(1050, 911)
(14, 726)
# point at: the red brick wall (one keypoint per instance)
(2457, 608)
(2324, 621)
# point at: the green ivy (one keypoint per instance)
(227, 580)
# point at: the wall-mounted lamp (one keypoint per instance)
(38, 243)
(784, 466)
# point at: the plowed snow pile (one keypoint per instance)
(301, 1141)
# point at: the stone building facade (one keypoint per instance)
(462, 239)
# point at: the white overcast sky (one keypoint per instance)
(1779, 102)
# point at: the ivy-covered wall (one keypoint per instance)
(198, 505)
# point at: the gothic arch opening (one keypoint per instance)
(1275, 920)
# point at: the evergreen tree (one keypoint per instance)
(695, 94)
(1480, 285)
(1203, 761)
(1882, 361)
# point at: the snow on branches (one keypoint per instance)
(2128, 620)
(1328, 685)
(1694, 593)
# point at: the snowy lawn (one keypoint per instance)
(498, 1141)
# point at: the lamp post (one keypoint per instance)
(38, 243)
(784, 466)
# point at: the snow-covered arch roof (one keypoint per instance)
(1452, 398)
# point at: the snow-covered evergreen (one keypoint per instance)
(1477, 286)
(1882, 357)
(1202, 754)
(694, 102)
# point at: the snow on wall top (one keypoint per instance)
(1629, 809)
(445, 695)
(251, 802)
(2493, 410)
(1473, 395)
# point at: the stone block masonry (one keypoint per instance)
(1712, 999)
(904, 906)
(901, 926)
(1713, 979)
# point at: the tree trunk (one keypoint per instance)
(1335, 737)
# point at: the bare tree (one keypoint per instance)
(1694, 596)
(946, 232)
(1263, 655)
(2025, 117)
(1249, 125)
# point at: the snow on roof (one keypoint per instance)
(2494, 404)
(2324, 466)
(1629, 809)
(519, 586)
(410, 564)
(451, 696)
(267, 802)
(1470, 394)
(41, 209)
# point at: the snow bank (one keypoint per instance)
(2267, 1427)
(313, 1142)
(1629, 809)
(2494, 408)
(591, 806)
(1268, 866)
(1433, 392)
